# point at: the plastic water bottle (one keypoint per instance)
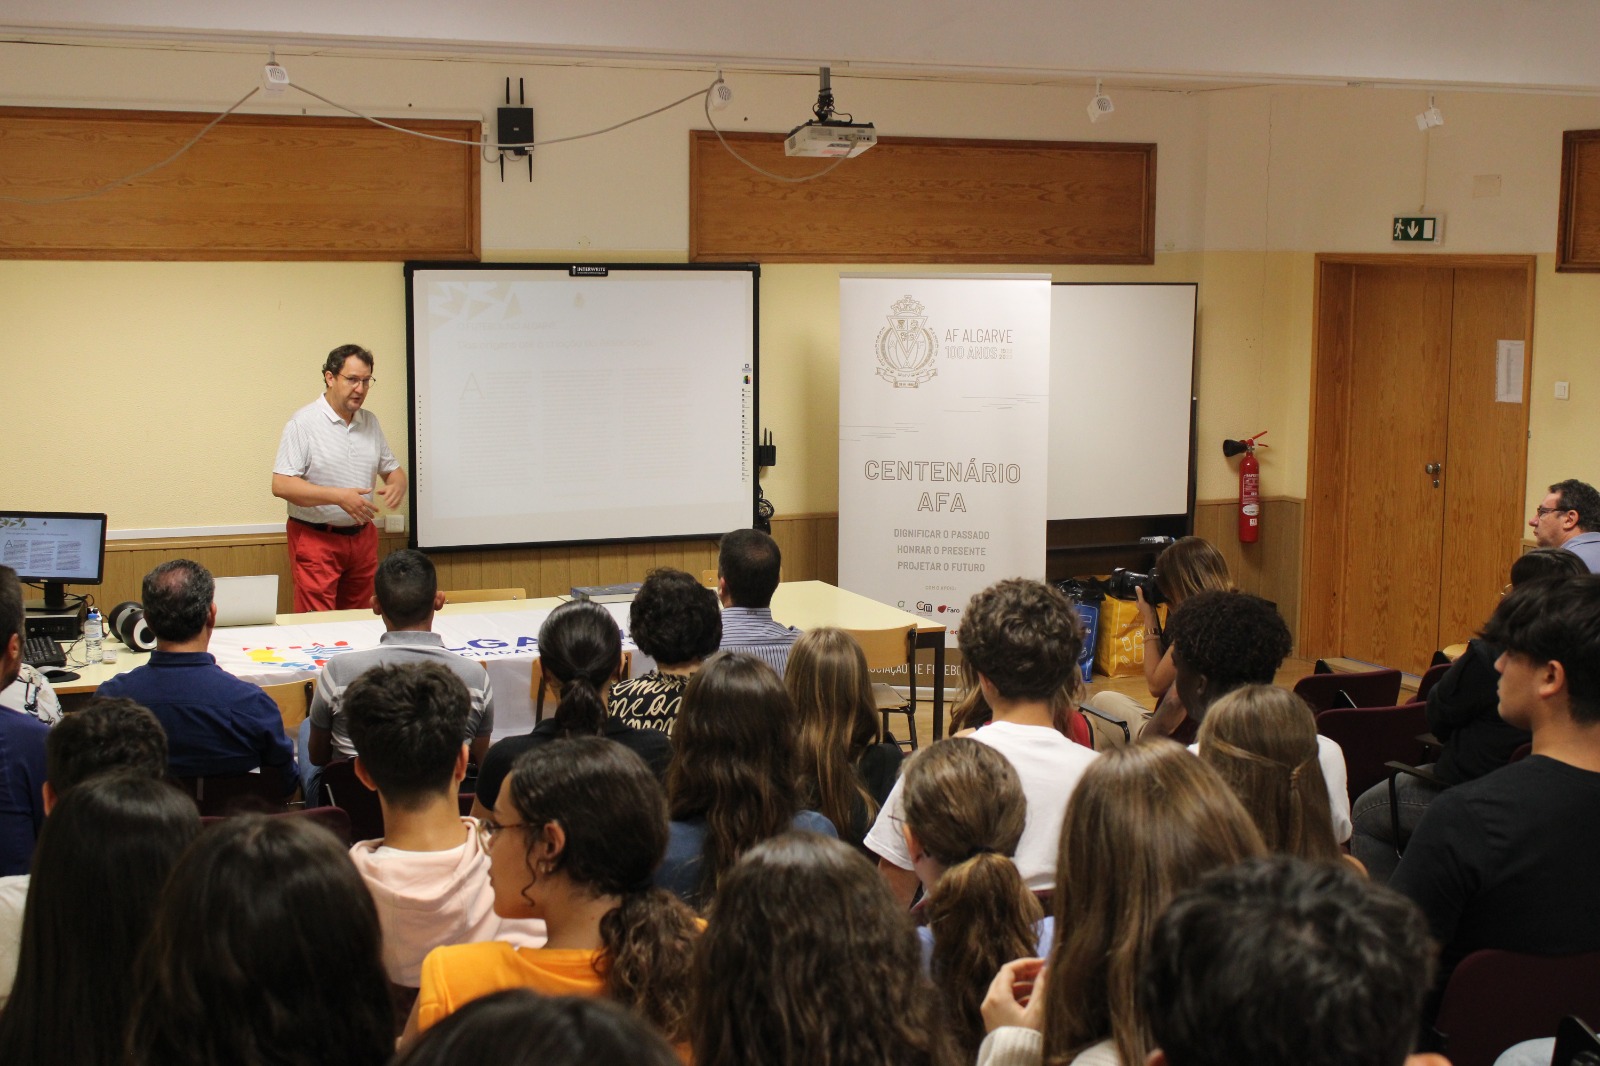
(92, 632)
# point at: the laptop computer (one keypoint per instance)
(247, 601)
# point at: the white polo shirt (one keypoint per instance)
(318, 446)
(1049, 766)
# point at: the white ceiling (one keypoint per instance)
(1542, 45)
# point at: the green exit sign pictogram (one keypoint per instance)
(1415, 228)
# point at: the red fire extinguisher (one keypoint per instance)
(1249, 485)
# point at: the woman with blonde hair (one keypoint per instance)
(1263, 741)
(1145, 823)
(848, 763)
(964, 813)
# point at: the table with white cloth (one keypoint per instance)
(503, 635)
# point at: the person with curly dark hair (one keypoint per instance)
(575, 834)
(810, 962)
(1277, 960)
(1020, 641)
(1569, 518)
(676, 621)
(1223, 641)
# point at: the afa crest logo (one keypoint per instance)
(906, 346)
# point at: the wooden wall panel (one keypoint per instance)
(255, 187)
(923, 200)
(1578, 235)
(808, 542)
(1270, 568)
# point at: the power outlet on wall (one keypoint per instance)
(394, 523)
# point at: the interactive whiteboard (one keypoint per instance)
(569, 403)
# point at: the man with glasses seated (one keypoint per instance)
(1569, 518)
(331, 453)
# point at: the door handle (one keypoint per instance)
(1432, 468)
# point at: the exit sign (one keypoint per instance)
(1415, 228)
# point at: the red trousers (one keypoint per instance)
(332, 571)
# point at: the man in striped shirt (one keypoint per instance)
(331, 453)
(747, 575)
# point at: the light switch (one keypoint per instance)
(1561, 390)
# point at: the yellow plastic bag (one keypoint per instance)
(1119, 644)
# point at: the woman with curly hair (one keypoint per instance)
(1145, 824)
(808, 961)
(1263, 741)
(676, 622)
(580, 652)
(847, 763)
(734, 779)
(964, 813)
(575, 833)
(266, 948)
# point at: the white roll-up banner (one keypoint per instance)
(944, 386)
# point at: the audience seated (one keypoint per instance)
(406, 593)
(748, 562)
(1512, 859)
(1569, 519)
(575, 833)
(1144, 824)
(429, 875)
(809, 960)
(518, 1027)
(103, 857)
(733, 780)
(1463, 712)
(265, 949)
(22, 761)
(580, 652)
(1277, 962)
(964, 812)
(676, 621)
(848, 763)
(216, 724)
(105, 735)
(1222, 641)
(1263, 741)
(1020, 639)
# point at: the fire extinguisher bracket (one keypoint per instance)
(1249, 485)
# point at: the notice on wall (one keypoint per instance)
(943, 437)
(1508, 363)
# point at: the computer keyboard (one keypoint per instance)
(42, 651)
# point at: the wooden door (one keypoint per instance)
(1486, 460)
(1399, 358)
(1395, 566)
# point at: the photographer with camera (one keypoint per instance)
(1189, 565)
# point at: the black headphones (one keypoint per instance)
(127, 622)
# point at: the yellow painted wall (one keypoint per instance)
(156, 391)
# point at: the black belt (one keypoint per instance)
(323, 527)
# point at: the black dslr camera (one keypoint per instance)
(1124, 581)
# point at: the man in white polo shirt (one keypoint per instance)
(331, 453)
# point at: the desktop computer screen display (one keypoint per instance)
(57, 548)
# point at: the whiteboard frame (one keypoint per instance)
(573, 269)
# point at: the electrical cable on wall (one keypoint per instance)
(484, 146)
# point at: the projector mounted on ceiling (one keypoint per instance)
(826, 136)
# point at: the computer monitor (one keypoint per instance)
(57, 548)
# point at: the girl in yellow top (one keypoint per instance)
(576, 831)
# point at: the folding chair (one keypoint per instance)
(886, 649)
(1368, 688)
(1499, 998)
